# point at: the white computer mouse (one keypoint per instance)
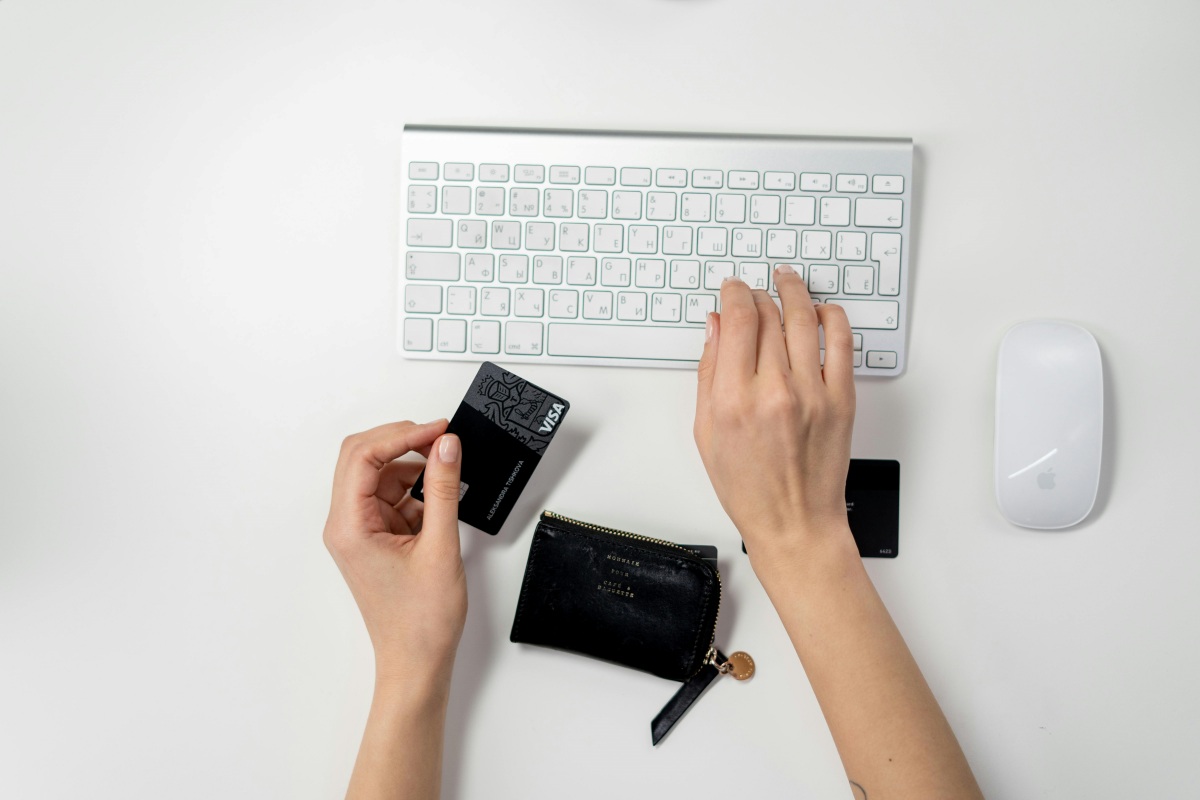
(1049, 424)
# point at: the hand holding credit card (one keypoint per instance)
(505, 424)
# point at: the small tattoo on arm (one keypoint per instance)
(859, 792)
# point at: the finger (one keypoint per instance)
(411, 510)
(738, 356)
(799, 325)
(396, 522)
(364, 455)
(839, 350)
(704, 379)
(442, 475)
(396, 478)
(772, 352)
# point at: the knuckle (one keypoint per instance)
(741, 315)
(443, 489)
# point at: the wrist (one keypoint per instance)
(803, 557)
(417, 684)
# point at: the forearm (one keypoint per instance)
(889, 730)
(401, 753)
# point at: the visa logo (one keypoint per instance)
(552, 418)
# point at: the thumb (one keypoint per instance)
(442, 473)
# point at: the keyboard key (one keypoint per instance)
(888, 184)
(564, 303)
(597, 305)
(755, 274)
(493, 302)
(479, 267)
(731, 208)
(697, 207)
(650, 273)
(529, 173)
(472, 233)
(857, 341)
(561, 174)
(513, 269)
(878, 314)
(747, 242)
(523, 338)
(460, 300)
(677, 240)
(871, 212)
(671, 177)
(614, 272)
(593, 203)
(643, 239)
(851, 183)
(698, 307)
(423, 170)
(741, 179)
(635, 176)
(666, 307)
(608, 238)
(781, 243)
(431, 266)
(418, 334)
(631, 306)
(493, 173)
(685, 274)
(506, 235)
(456, 200)
(764, 209)
(573, 237)
(528, 302)
(707, 178)
(815, 181)
(881, 359)
(823, 279)
(851, 246)
(835, 211)
(711, 242)
(485, 336)
(715, 273)
(422, 199)
(859, 280)
(452, 335)
(815, 245)
(456, 171)
(624, 341)
(780, 181)
(523, 202)
(422, 298)
(489, 201)
(600, 176)
(661, 206)
(885, 248)
(547, 269)
(800, 211)
(559, 202)
(430, 233)
(627, 205)
(539, 235)
(581, 271)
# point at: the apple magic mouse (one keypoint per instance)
(1049, 424)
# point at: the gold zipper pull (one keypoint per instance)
(739, 665)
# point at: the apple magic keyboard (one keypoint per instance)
(589, 247)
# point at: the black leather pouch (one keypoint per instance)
(644, 603)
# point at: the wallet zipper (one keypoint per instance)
(710, 657)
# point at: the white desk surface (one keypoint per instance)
(198, 226)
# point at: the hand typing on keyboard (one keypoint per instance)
(773, 428)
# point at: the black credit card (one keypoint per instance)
(873, 507)
(505, 424)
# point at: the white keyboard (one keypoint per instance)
(576, 247)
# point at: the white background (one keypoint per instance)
(198, 226)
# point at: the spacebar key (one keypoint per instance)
(642, 342)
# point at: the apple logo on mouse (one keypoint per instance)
(1046, 479)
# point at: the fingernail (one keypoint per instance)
(448, 449)
(729, 278)
(708, 326)
(785, 269)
